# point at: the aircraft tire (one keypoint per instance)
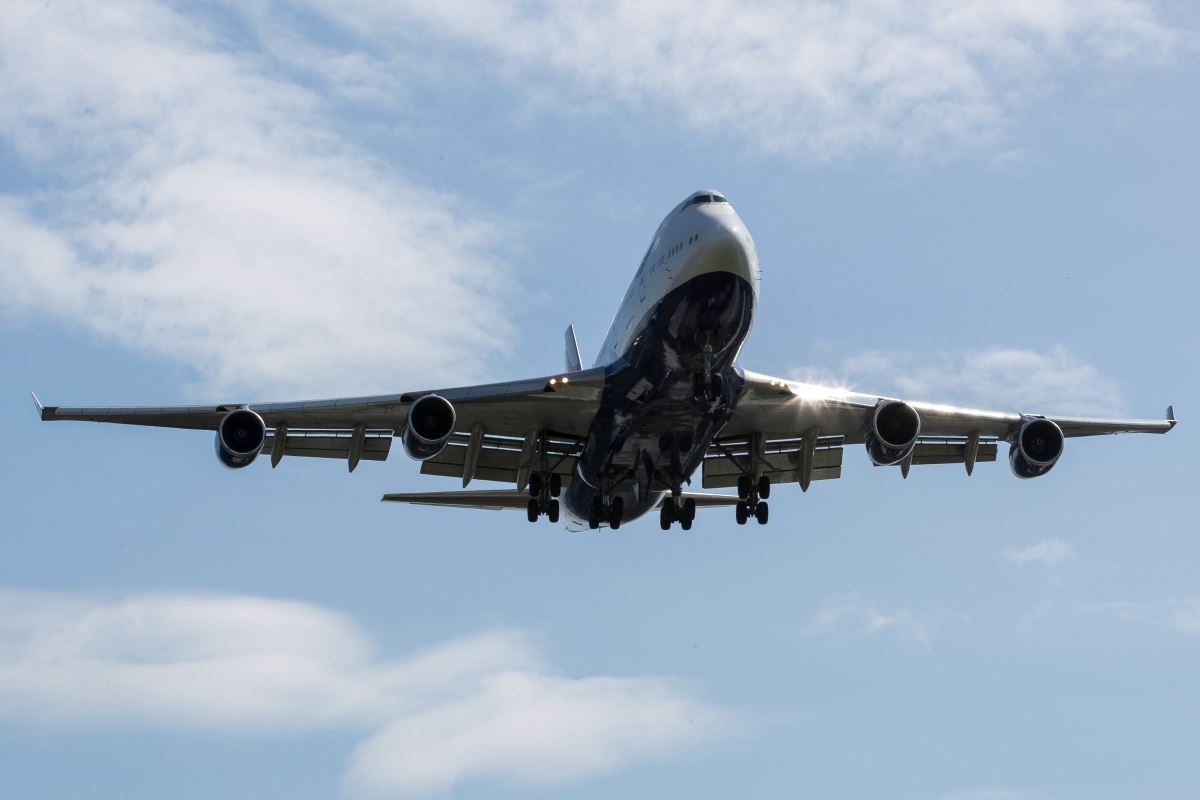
(618, 510)
(762, 513)
(532, 510)
(743, 513)
(552, 514)
(764, 487)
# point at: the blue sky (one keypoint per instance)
(970, 202)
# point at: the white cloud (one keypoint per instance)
(484, 707)
(197, 205)
(1046, 553)
(809, 79)
(1179, 614)
(1004, 378)
(855, 615)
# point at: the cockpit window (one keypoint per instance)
(700, 199)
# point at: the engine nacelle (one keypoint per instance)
(239, 438)
(893, 434)
(430, 423)
(1036, 449)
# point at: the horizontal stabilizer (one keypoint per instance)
(706, 500)
(491, 500)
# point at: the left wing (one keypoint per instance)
(792, 431)
(782, 408)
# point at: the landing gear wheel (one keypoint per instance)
(533, 511)
(535, 484)
(743, 513)
(689, 511)
(743, 487)
(764, 487)
(686, 523)
(555, 485)
(618, 509)
(552, 514)
(665, 517)
(596, 514)
(762, 513)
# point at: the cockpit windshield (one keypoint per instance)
(700, 199)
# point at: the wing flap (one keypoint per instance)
(305, 444)
(722, 470)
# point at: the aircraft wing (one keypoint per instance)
(559, 405)
(798, 427)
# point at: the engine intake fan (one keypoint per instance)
(1036, 449)
(895, 428)
(430, 422)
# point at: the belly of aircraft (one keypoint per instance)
(657, 416)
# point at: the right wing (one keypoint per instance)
(559, 406)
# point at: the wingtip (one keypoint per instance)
(1171, 415)
(41, 409)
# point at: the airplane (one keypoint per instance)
(664, 400)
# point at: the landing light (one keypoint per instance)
(565, 380)
(553, 381)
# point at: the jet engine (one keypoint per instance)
(893, 434)
(239, 438)
(430, 423)
(1036, 449)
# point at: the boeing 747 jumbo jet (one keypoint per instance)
(665, 403)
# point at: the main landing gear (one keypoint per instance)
(673, 511)
(543, 493)
(752, 499)
(611, 512)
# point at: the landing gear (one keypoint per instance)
(613, 513)
(753, 495)
(673, 511)
(542, 491)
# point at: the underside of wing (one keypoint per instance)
(361, 428)
(794, 432)
(779, 408)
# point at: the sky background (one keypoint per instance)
(970, 202)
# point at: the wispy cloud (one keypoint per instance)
(1179, 614)
(484, 707)
(1046, 553)
(1004, 378)
(805, 79)
(196, 203)
(854, 615)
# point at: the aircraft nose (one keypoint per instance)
(726, 246)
